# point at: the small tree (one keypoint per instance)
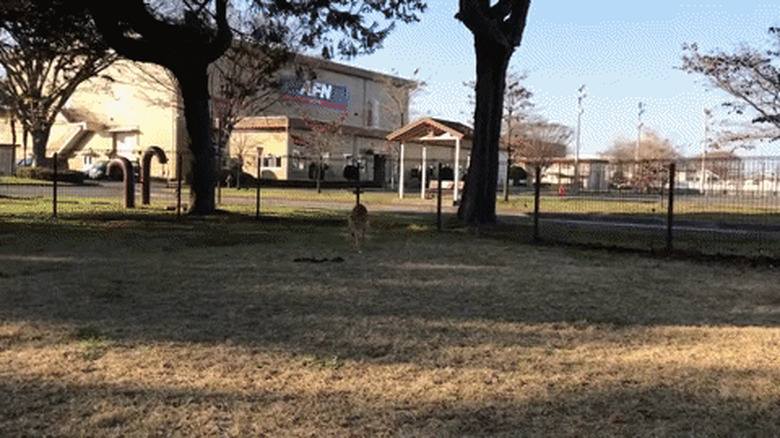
(516, 111)
(240, 145)
(247, 83)
(47, 49)
(540, 143)
(654, 152)
(399, 93)
(323, 138)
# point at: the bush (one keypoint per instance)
(46, 174)
(517, 174)
(41, 173)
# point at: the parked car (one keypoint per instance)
(24, 162)
(99, 170)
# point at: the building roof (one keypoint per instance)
(336, 67)
(431, 129)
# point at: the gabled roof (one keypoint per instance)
(432, 130)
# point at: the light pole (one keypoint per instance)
(581, 97)
(638, 139)
(638, 130)
(707, 115)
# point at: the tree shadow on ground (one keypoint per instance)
(51, 408)
(406, 295)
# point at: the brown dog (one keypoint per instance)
(358, 224)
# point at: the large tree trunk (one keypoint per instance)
(40, 136)
(193, 82)
(478, 205)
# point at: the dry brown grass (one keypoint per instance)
(213, 329)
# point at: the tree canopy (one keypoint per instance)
(539, 143)
(47, 49)
(750, 76)
(187, 39)
(652, 146)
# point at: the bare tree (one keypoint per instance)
(247, 83)
(400, 94)
(540, 143)
(517, 105)
(497, 28)
(323, 138)
(652, 146)
(650, 172)
(750, 76)
(240, 145)
(47, 49)
(517, 110)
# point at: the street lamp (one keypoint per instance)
(638, 139)
(581, 97)
(707, 116)
(638, 130)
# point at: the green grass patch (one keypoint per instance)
(13, 180)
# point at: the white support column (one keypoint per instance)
(456, 173)
(401, 171)
(424, 171)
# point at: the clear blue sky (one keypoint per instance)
(624, 51)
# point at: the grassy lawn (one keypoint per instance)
(226, 326)
(13, 180)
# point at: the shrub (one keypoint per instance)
(46, 174)
(41, 173)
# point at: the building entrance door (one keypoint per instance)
(380, 163)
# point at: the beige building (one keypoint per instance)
(139, 106)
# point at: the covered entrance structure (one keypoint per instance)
(432, 140)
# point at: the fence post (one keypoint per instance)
(357, 183)
(537, 191)
(438, 199)
(670, 211)
(178, 186)
(54, 187)
(257, 194)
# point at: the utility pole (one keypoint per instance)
(638, 139)
(707, 115)
(581, 97)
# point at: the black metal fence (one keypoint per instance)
(724, 204)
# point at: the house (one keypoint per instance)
(593, 173)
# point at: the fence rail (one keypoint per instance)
(717, 205)
(705, 205)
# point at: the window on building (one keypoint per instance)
(298, 160)
(272, 162)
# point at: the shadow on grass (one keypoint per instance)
(213, 281)
(49, 408)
